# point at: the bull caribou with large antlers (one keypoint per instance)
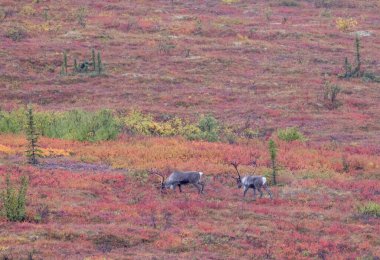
(251, 181)
(178, 178)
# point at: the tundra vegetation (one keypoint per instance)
(120, 87)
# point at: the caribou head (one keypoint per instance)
(178, 178)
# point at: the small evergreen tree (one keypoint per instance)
(347, 69)
(100, 66)
(64, 64)
(357, 72)
(273, 156)
(32, 152)
(75, 65)
(93, 59)
(65, 61)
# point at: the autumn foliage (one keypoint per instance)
(190, 85)
(78, 205)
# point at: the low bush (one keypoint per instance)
(369, 209)
(323, 3)
(207, 127)
(371, 77)
(289, 3)
(346, 25)
(104, 125)
(13, 201)
(16, 33)
(80, 125)
(290, 134)
(330, 95)
(13, 122)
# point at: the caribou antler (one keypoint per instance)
(155, 171)
(235, 164)
(253, 155)
(254, 163)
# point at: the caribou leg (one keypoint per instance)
(197, 186)
(245, 190)
(261, 193)
(266, 188)
(179, 187)
(203, 186)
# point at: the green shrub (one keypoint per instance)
(290, 134)
(323, 3)
(191, 132)
(74, 125)
(16, 33)
(370, 209)
(289, 3)
(251, 133)
(80, 125)
(331, 95)
(14, 202)
(103, 125)
(13, 122)
(209, 127)
(81, 15)
(371, 77)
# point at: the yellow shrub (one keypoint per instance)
(44, 27)
(230, 1)
(50, 152)
(6, 149)
(244, 39)
(138, 123)
(346, 25)
(28, 10)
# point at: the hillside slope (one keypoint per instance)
(263, 63)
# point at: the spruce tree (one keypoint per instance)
(31, 135)
(100, 66)
(65, 62)
(273, 156)
(93, 59)
(357, 73)
(347, 68)
(75, 65)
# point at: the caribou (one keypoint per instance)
(178, 178)
(251, 181)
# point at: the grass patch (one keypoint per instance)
(73, 125)
(369, 209)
